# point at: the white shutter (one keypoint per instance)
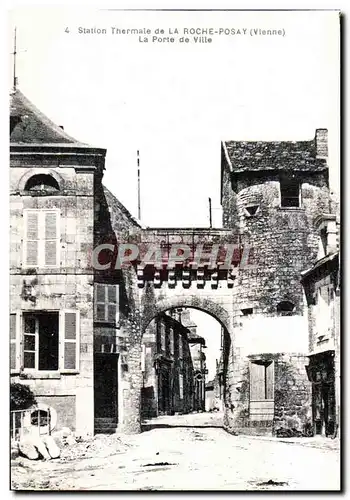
(69, 340)
(31, 237)
(50, 238)
(257, 382)
(15, 342)
(270, 380)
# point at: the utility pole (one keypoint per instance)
(14, 60)
(210, 215)
(138, 186)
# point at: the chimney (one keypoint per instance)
(321, 140)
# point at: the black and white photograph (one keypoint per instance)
(174, 250)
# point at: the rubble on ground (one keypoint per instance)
(67, 446)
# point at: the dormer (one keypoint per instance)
(326, 225)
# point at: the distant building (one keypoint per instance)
(169, 367)
(196, 344)
(209, 396)
(322, 289)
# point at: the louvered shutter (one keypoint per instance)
(100, 302)
(113, 303)
(69, 340)
(15, 346)
(257, 382)
(51, 240)
(31, 241)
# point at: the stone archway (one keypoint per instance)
(152, 302)
(188, 301)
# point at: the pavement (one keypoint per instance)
(189, 452)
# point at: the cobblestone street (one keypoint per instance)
(190, 452)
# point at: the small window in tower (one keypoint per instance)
(42, 184)
(247, 311)
(290, 192)
(285, 308)
(251, 210)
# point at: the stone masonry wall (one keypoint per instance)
(284, 242)
(68, 286)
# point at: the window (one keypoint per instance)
(14, 342)
(290, 192)
(43, 184)
(107, 303)
(39, 417)
(49, 341)
(285, 308)
(167, 340)
(41, 238)
(181, 386)
(180, 346)
(324, 310)
(247, 311)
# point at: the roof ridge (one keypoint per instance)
(46, 121)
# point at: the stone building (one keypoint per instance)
(271, 194)
(196, 345)
(65, 336)
(168, 367)
(322, 289)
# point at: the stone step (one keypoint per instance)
(105, 431)
(104, 420)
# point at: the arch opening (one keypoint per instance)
(42, 183)
(185, 351)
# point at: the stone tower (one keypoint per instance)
(271, 193)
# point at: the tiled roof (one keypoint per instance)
(328, 259)
(30, 126)
(277, 155)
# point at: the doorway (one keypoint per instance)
(106, 386)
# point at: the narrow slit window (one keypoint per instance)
(290, 193)
(247, 311)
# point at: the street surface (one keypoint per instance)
(189, 452)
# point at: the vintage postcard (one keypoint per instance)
(174, 250)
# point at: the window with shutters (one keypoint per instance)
(46, 341)
(106, 303)
(41, 238)
(40, 341)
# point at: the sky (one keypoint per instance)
(176, 102)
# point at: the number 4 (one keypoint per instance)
(66, 30)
